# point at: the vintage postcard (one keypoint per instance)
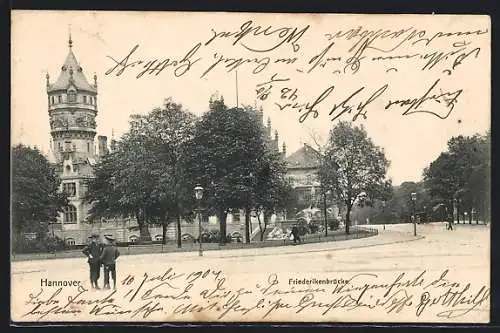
(250, 167)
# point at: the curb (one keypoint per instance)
(324, 250)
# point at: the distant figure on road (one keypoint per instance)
(93, 252)
(296, 236)
(108, 259)
(449, 225)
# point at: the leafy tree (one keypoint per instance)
(462, 174)
(144, 177)
(272, 190)
(223, 157)
(36, 199)
(352, 164)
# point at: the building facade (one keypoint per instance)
(72, 109)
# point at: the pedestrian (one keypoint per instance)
(93, 252)
(450, 223)
(296, 236)
(108, 258)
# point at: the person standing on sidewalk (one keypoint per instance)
(93, 252)
(108, 259)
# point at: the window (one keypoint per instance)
(72, 96)
(51, 99)
(85, 99)
(67, 145)
(70, 214)
(88, 147)
(69, 189)
(60, 98)
(133, 238)
(59, 146)
(70, 241)
(74, 147)
(158, 238)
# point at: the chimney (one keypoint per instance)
(113, 145)
(103, 145)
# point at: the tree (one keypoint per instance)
(36, 199)
(352, 164)
(223, 157)
(462, 175)
(145, 177)
(272, 190)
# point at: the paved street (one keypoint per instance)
(380, 260)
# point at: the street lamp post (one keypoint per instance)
(198, 193)
(414, 205)
(383, 212)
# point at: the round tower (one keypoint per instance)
(72, 106)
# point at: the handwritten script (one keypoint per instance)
(282, 57)
(211, 295)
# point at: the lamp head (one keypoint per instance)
(198, 192)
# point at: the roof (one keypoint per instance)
(305, 157)
(71, 74)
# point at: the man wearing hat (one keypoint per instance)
(93, 252)
(108, 258)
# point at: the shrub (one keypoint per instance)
(333, 224)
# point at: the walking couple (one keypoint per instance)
(102, 254)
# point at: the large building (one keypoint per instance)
(72, 108)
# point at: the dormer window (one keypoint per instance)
(72, 96)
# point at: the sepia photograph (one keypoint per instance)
(250, 167)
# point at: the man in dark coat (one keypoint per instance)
(93, 252)
(108, 259)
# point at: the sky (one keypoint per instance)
(411, 142)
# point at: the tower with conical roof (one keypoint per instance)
(72, 108)
(72, 104)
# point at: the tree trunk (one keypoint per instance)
(458, 214)
(247, 225)
(266, 222)
(179, 240)
(144, 234)
(261, 229)
(470, 216)
(222, 215)
(348, 218)
(164, 232)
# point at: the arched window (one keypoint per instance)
(70, 241)
(70, 214)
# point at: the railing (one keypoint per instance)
(356, 232)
